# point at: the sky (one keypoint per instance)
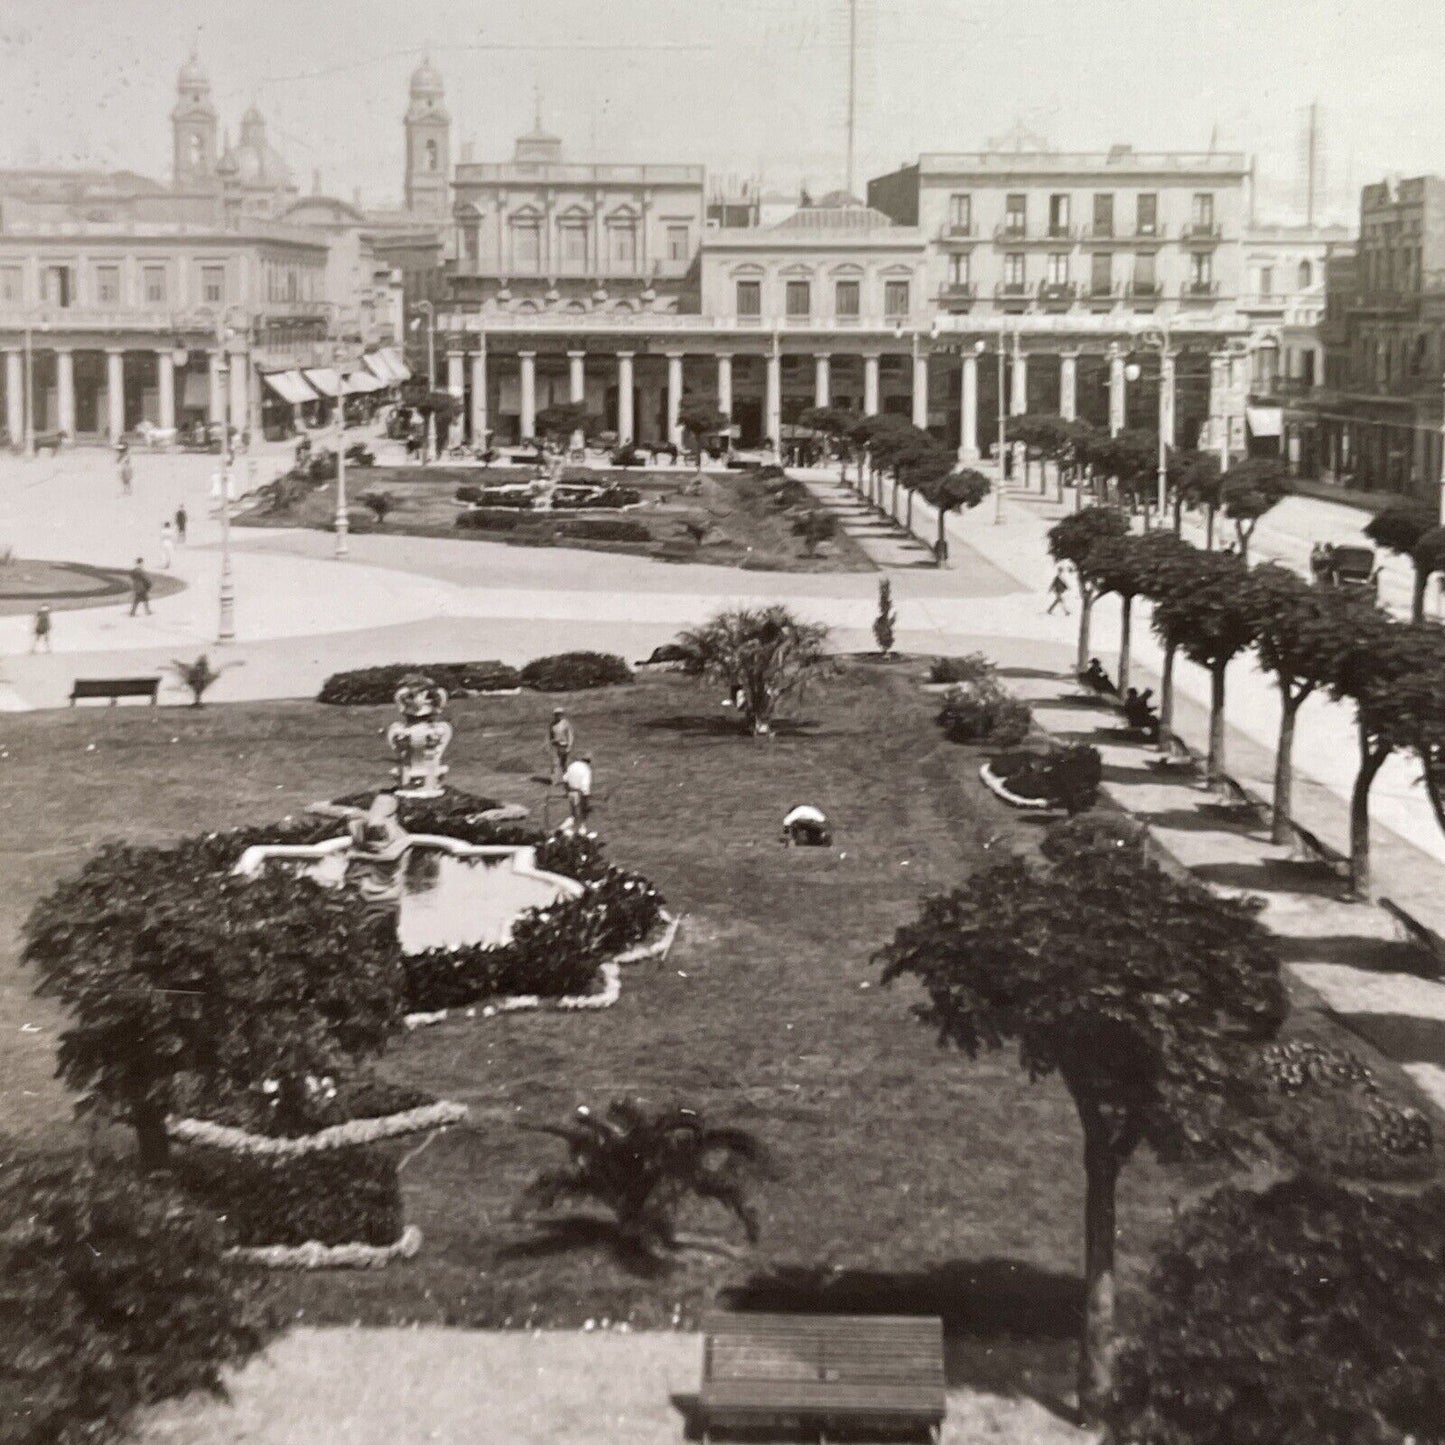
(747, 87)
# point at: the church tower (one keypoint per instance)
(193, 130)
(428, 145)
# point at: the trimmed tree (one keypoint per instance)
(559, 422)
(380, 504)
(1209, 619)
(1398, 529)
(886, 619)
(1250, 489)
(1142, 991)
(761, 654)
(700, 419)
(815, 527)
(1070, 540)
(1301, 634)
(1201, 484)
(1116, 566)
(1309, 1312)
(1164, 560)
(956, 492)
(171, 965)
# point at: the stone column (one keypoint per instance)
(725, 385)
(822, 381)
(215, 401)
(674, 397)
(65, 390)
(870, 384)
(968, 410)
(527, 360)
(1116, 391)
(15, 397)
(1219, 403)
(479, 396)
(625, 423)
(240, 368)
(1166, 397)
(920, 391)
(115, 392)
(1019, 401)
(1069, 385)
(165, 390)
(577, 376)
(773, 407)
(457, 390)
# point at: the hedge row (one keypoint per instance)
(563, 672)
(544, 527)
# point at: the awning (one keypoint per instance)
(400, 371)
(325, 379)
(1265, 421)
(376, 361)
(359, 381)
(290, 386)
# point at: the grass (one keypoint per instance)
(745, 525)
(912, 1178)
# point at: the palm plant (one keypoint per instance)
(642, 1166)
(197, 676)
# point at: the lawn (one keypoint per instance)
(63, 586)
(910, 1178)
(746, 525)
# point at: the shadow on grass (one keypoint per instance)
(576, 1233)
(1071, 704)
(1042, 674)
(1402, 1037)
(995, 1314)
(1275, 875)
(710, 725)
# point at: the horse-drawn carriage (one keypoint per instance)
(1352, 568)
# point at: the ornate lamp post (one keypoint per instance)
(226, 631)
(343, 522)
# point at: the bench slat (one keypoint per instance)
(114, 687)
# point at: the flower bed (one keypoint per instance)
(573, 671)
(315, 1255)
(375, 685)
(352, 1134)
(1060, 778)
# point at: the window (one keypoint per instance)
(895, 298)
(958, 269)
(624, 245)
(153, 285)
(1104, 213)
(12, 284)
(678, 247)
(1101, 273)
(1058, 215)
(1266, 281)
(526, 245)
(1201, 215)
(1016, 213)
(213, 283)
(799, 300)
(107, 285)
(750, 298)
(472, 245)
(430, 155)
(847, 299)
(1306, 277)
(55, 285)
(1013, 271)
(1146, 280)
(1147, 214)
(1058, 268)
(1201, 271)
(960, 214)
(574, 246)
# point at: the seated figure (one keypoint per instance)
(1094, 676)
(1139, 711)
(805, 826)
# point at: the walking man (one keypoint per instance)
(140, 588)
(1059, 591)
(181, 520)
(40, 637)
(168, 544)
(578, 782)
(562, 740)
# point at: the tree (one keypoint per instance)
(558, 423)
(835, 424)
(952, 493)
(883, 623)
(1070, 539)
(1300, 636)
(643, 1166)
(1141, 991)
(1250, 488)
(700, 420)
(1201, 484)
(169, 965)
(380, 504)
(1164, 561)
(878, 437)
(1211, 623)
(1305, 1313)
(761, 654)
(1399, 529)
(1116, 565)
(815, 527)
(1382, 672)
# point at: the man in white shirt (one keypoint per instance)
(577, 779)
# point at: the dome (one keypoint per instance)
(256, 164)
(252, 119)
(426, 79)
(192, 75)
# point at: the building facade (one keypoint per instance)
(1283, 301)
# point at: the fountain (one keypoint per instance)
(420, 738)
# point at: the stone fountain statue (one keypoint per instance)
(420, 738)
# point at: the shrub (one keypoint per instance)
(973, 668)
(1087, 834)
(489, 521)
(330, 1102)
(373, 686)
(1063, 777)
(984, 713)
(574, 671)
(116, 1294)
(607, 529)
(334, 1196)
(469, 494)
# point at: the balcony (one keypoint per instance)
(1101, 293)
(1199, 291)
(1145, 290)
(1205, 233)
(1057, 295)
(957, 231)
(1149, 231)
(1061, 231)
(1099, 231)
(1011, 231)
(956, 293)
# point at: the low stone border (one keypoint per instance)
(314, 1255)
(996, 786)
(338, 1136)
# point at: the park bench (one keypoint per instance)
(1316, 850)
(822, 1373)
(115, 688)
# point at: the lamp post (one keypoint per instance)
(429, 308)
(29, 397)
(1002, 421)
(343, 522)
(226, 630)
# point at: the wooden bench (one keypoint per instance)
(115, 688)
(822, 1372)
(1316, 850)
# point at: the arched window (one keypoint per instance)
(193, 149)
(1306, 275)
(431, 155)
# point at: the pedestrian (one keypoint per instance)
(140, 588)
(181, 520)
(40, 637)
(1059, 591)
(125, 470)
(168, 543)
(578, 782)
(562, 740)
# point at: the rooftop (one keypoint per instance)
(577, 173)
(250, 230)
(1121, 158)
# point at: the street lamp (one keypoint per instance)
(343, 522)
(226, 631)
(431, 374)
(1002, 421)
